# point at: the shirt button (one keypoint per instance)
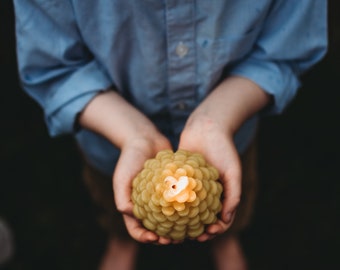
(181, 106)
(181, 50)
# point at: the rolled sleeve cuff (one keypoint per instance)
(72, 96)
(275, 78)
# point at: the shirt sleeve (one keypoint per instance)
(55, 67)
(293, 39)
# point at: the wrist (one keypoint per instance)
(230, 104)
(111, 116)
(201, 126)
(142, 135)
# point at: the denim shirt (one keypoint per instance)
(162, 56)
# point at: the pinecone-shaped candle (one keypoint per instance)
(177, 194)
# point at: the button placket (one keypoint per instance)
(180, 21)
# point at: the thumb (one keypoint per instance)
(128, 166)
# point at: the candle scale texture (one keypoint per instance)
(177, 194)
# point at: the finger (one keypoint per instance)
(213, 230)
(138, 232)
(229, 205)
(231, 180)
(122, 179)
(205, 237)
(164, 241)
(220, 226)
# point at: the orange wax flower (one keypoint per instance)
(179, 190)
(177, 194)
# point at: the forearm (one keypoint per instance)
(231, 104)
(113, 117)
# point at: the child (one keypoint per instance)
(130, 78)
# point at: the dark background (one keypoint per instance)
(295, 226)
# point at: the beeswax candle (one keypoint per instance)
(177, 194)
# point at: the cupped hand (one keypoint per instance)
(205, 136)
(133, 155)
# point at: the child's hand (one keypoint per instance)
(133, 155)
(123, 125)
(210, 130)
(206, 137)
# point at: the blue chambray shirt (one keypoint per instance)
(163, 56)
